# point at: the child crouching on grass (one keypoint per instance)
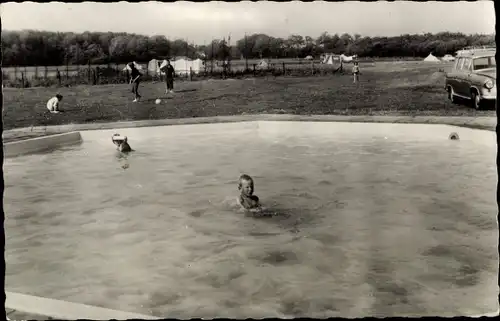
(53, 104)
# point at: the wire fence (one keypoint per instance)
(112, 73)
(60, 76)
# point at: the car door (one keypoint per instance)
(453, 79)
(461, 78)
(467, 77)
(452, 76)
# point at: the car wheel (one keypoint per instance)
(476, 100)
(451, 95)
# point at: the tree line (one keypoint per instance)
(43, 48)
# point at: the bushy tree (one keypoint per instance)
(32, 47)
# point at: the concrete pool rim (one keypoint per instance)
(483, 122)
(51, 137)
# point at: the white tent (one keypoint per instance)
(154, 67)
(448, 58)
(181, 66)
(431, 58)
(197, 66)
(308, 58)
(348, 58)
(328, 60)
(137, 66)
(263, 64)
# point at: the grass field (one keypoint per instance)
(406, 88)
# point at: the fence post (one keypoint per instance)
(58, 75)
(90, 74)
(284, 69)
(96, 75)
(22, 78)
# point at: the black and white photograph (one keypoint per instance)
(249, 160)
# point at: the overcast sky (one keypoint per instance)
(200, 22)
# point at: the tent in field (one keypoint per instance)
(262, 64)
(328, 60)
(448, 58)
(137, 66)
(197, 66)
(308, 58)
(154, 67)
(348, 58)
(431, 58)
(181, 66)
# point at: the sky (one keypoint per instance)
(201, 22)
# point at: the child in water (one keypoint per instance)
(122, 145)
(246, 198)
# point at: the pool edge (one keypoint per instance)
(59, 309)
(484, 123)
(40, 144)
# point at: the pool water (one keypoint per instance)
(369, 220)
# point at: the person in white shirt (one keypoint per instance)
(53, 104)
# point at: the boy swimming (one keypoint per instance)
(121, 143)
(246, 198)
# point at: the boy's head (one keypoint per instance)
(59, 97)
(120, 141)
(245, 185)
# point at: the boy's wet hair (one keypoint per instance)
(59, 96)
(244, 177)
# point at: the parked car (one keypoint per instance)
(473, 76)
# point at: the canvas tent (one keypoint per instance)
(431, 58)
(183, 65)
(348, 58)
(137, 66)
(263, 64)
(328, 59)
(308, 58)
(448, 58)
(154, 67)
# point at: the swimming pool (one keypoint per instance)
(371, 220)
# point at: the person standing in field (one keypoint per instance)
(135, 79)
(169, 71)
(355, 72)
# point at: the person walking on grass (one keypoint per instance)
(169, 71)
(135, 79)
(355, 72)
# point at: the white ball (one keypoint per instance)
(158, 101)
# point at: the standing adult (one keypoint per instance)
(135, 79)
(169, 71)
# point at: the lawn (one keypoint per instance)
(385, 89)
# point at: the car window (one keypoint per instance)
(467, 63)
(460, 63)
(484, 62)
(457, 62)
